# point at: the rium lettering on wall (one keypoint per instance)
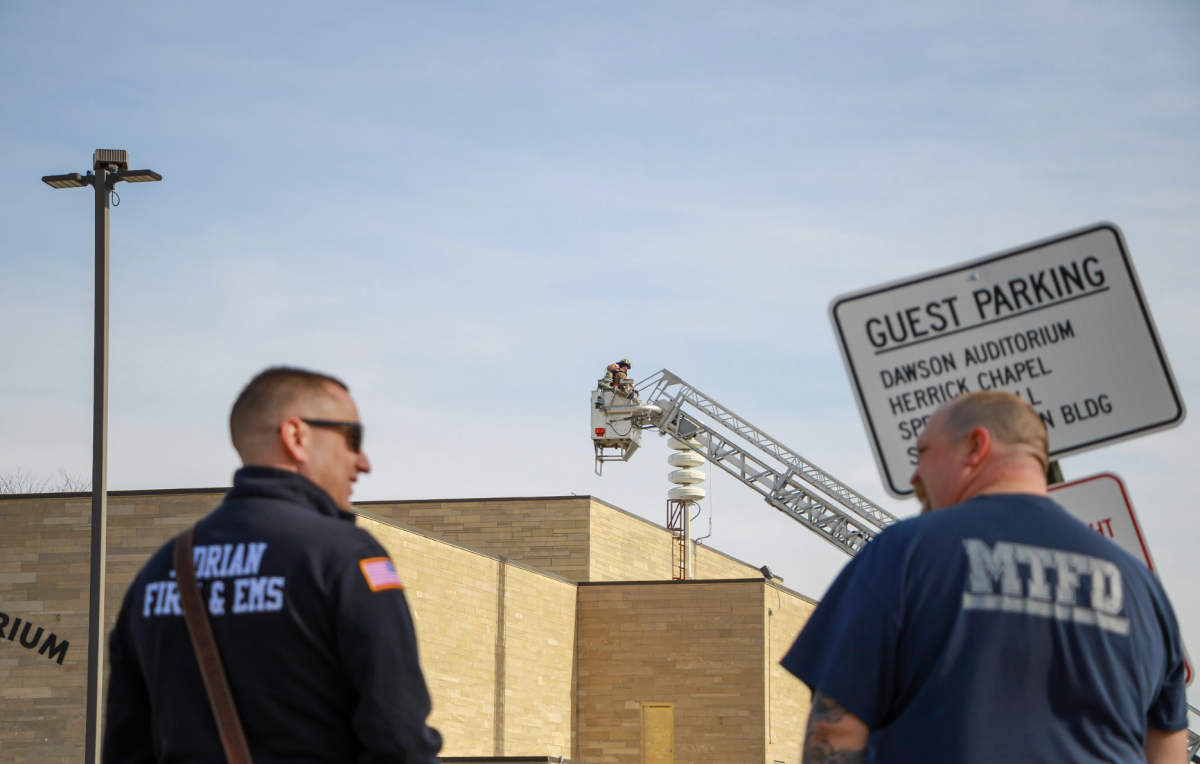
(1062, 323)
(30, 636)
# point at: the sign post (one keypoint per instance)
(1062, 323)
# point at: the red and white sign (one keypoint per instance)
(1103, 503)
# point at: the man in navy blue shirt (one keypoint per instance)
(995, 627)
(307, 610)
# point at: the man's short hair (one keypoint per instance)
(259, 407)
(1006, 416)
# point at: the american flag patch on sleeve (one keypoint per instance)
(380, 574)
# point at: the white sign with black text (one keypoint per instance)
(1062, 322)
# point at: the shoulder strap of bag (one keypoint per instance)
(233, 738)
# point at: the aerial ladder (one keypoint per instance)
(787, 481)
(1193, 739)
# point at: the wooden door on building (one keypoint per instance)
(658, 733)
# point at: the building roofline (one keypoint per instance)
(509, 760)
(226, 489)
(696, 581)
(377, 502)
(793, 592)
(139, 492)
(670, 582)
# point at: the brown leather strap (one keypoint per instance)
(233, 739)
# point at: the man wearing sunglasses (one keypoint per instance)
(307, 610)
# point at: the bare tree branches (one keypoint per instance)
(71, 481)
(22, 481)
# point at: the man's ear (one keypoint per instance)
(979, 445)
(294, 436)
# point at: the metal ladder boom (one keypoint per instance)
(1193, 739)
(781, 489)
(658, 390)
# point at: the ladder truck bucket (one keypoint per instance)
(617, 422)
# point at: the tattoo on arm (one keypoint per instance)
(820, 746)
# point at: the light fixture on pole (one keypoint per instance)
(109, 167)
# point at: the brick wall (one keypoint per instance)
(577, 537)
(497, 645)
(549, 533)
(454, 594)
(788, 697)
(710, 563)
(44, 581)
(696, 644)
(625, 547)
(44, 556)
(519, 661)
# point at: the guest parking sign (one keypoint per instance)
(1061, 322)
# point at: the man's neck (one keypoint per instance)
(1008, 477)
(278, 464)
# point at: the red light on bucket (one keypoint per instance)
(599, 432)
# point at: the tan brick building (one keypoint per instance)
(547, 626)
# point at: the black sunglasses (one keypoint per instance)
(354, 431)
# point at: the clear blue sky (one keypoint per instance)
(468, 209)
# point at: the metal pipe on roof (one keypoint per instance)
(647, 408)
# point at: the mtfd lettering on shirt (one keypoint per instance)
(1052, 583)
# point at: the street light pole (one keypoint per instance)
(95, 681)
(110, 167)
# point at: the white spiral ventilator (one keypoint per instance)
(686, 477)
